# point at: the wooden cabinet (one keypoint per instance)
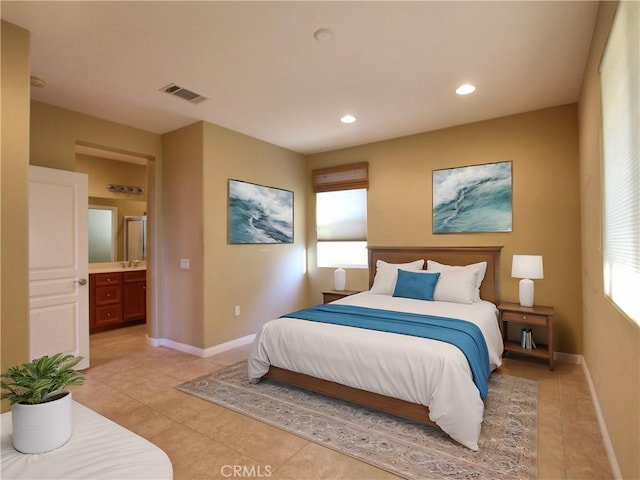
(107, 300)
(332, 295)
(134, 306)
(116, 299)
(528, 317)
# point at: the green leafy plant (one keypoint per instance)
(40, 380)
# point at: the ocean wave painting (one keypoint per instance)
(259, 214)
(473, 199)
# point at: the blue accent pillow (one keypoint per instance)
(418, 285)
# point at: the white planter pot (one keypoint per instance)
(42, 427)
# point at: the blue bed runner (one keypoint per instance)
(464, 335)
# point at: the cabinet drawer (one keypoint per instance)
(108, 315)
(528, 318)
(136, 276)
(108, 278)
(107, 295)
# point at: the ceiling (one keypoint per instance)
(394, 65)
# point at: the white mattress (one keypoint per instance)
(418, 370)
(98, 449)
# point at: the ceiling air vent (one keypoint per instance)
(183, 93)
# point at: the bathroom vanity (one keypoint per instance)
(117, 297)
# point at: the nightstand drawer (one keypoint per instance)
(528, 318)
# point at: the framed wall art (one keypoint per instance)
(259, 214)
(473, 199)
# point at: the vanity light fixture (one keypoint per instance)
(465, 89)
(348, 119)
(124, 189)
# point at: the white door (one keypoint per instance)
(58, 263)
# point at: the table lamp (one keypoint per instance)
(526, 267)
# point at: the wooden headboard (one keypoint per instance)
(490, 288)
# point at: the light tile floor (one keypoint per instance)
(132, 383)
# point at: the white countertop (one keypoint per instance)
(109, 267)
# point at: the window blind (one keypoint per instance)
(620, 93)
(341, 177)
(341, 216)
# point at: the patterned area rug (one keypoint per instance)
(507, 443)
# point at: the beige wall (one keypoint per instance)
(182, 194)
(14, 202)
(611, 340)
(55, 132)
(263, 280)
(546, 213)
(104, 171)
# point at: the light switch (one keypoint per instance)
(184, 263)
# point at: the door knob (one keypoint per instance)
(82, 281)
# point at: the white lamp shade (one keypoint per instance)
(527, 266)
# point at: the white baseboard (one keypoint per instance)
(201, 352)
(608, 446)
(567, 357)
(223, 347)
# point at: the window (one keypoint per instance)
(341, 215)
(341, 225)
(620, 87)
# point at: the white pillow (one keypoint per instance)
(384, 283)
(457, 286)
(480, 268)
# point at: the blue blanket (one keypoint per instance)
(464, 335)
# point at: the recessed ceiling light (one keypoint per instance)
(348, 119)
(465, 89)
(323, 35)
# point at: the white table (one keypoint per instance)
(98, 449)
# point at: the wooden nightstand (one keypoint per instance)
(528, 316)
(332, 295)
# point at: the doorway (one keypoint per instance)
(123, 182)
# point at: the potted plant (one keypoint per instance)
(40, 403)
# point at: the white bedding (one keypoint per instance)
(418, 370)
(98, 449)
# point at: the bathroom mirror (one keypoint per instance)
(101, 241)
(103, 229)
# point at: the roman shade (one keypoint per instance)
(341, 177)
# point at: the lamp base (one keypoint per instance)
(339, 280)
(526, 292)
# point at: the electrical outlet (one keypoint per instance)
(184, 263)
(236, 310)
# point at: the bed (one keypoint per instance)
(423, 379)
